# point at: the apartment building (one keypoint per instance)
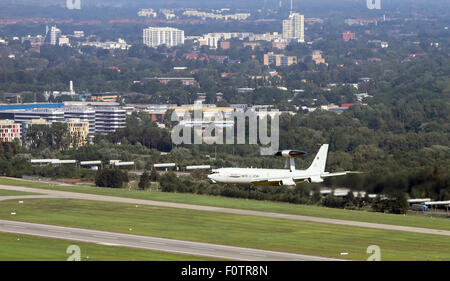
(279, 59)
(9, 130)
(156, 36)
(79, 132)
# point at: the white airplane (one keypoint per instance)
(277, 177)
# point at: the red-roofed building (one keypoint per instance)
(415, 55)
(191, 56)
(347, 36)
(225, 74)
(114, 68)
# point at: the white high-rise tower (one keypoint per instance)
(294, 27)
(71, 87)
(55, 33)
(155, 36)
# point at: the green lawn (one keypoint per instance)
(237, 230)
(17, 247)
(416, 220)
(15, 193)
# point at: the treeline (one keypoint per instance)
(416, 183)
(54, 136)
(11, 162)
(395, 202)
(15, 162)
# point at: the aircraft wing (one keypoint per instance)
(318, 179)
(293, 180)
(326, 175)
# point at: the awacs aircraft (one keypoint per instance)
(276, 177)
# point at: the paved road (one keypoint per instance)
(84, 196)
(152, 243)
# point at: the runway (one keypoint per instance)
(152, 243)
(94, 197)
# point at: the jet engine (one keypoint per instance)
(315, 179)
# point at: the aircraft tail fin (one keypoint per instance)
(320, 160)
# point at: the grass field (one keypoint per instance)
(16, 247)
(416, 220)
(237, 230)
(14, 193)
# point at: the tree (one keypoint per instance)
(332, 201)
(169, 182)
(154, 176)
(114, 178)
(316, 197)
(55, 135)
(144, 181)
(398, 204)
(378, 204)
(349, 200)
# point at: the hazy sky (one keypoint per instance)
(306, 6)
(233, 3)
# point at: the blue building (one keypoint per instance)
(245, 90)
(30, 106)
